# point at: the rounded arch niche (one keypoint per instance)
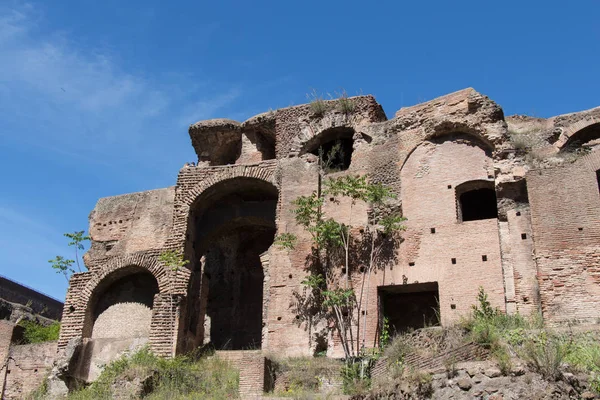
(121, 305)
(230, 226)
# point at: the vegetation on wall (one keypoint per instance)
(319, 106)
(64, 265)
(182, 377)
(34, 332)
(341, 250)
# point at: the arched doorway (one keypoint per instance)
(229, 227)
(121, 305)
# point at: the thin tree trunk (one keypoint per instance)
(371, 262)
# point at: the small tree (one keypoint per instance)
(173, 259)
(62, 266)
(336, 243)
(77, 240)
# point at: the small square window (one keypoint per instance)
(453, 306)
(523, 236)
(454, 261)
(411, 264)
(484, 258)
(449, 186)
(518, 214)
(432, 230)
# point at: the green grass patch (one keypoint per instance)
(34, 332)
(176, 378)
(304, 375)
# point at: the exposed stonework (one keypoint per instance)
(485, 207)
(23, 367)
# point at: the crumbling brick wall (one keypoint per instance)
(27, 367)
(565, 208)
(537, 250)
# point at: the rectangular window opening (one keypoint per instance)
(410, 306)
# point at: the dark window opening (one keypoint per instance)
(583, 137)
(231, 226)
(598, 178)
(265, 146)
(334, 147)
(412, 306)
(335, 155)
(477, 202)
(235, 300)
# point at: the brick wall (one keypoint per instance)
(565, 214)
(6, 331)
(38, 302)
(251, 364)
(423, 154)
(429, 179)
(27, 367)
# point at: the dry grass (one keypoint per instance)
(304, 375)
(177, 378)
(318, 106)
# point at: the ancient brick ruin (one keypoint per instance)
(24, 366)
(508, 204)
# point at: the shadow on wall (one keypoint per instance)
(229, 227)
(124, 308)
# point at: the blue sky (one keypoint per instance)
(96, 96)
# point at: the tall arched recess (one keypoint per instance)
(121, 305)
(230, 226)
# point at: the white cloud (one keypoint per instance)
(72, 100)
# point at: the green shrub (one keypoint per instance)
(34, 332)
(585, 357)
(175, 378)
(356, 379)
(344, 104)
(305, 374)
(545, 354)
(488, 326)
(485, 333)
(503, 359)
(397, 349)
(317, 105)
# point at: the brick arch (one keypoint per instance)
(184, 200)
(448, 128)
(313, 130)
(570, 132)
(475, 138)
(144, 260)
(122, 267)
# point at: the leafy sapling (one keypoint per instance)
(173, 260)
(77, 240)
(62, 266)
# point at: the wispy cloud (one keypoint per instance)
(75, 100)
(25, 241)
